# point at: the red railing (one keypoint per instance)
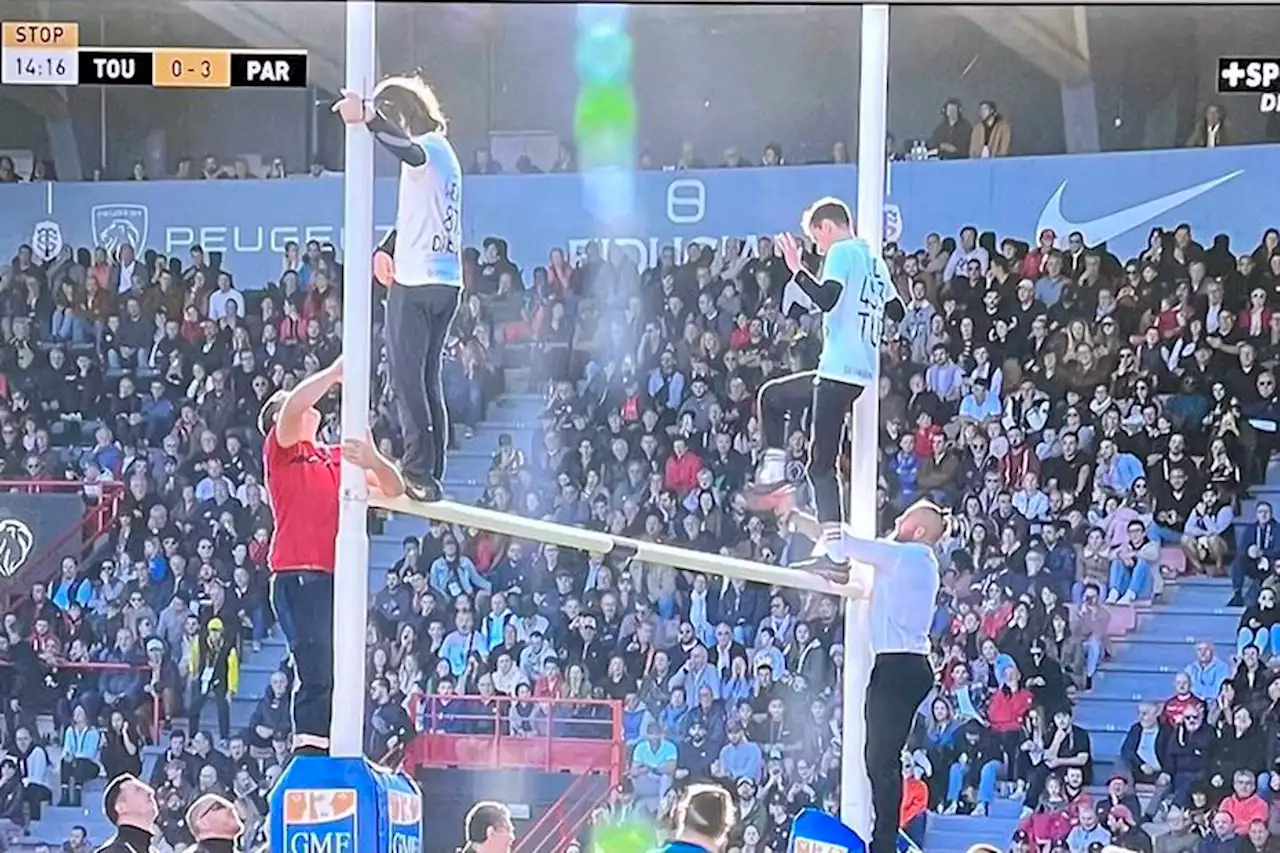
(157, 708)
(102, 504)
(565, 819)
(576, 735)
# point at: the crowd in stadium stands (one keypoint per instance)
(1093, 421)
(955, 137)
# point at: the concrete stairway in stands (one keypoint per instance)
(1143, 668)
(515, 414)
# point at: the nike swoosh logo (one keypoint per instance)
(1100, 230)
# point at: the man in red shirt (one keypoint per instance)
(1181, 701)
(303, 478)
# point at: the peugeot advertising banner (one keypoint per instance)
(1112, 198)
(30, 524)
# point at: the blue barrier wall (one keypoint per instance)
(1114, 197)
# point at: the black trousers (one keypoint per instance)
(221, 704)
(828, 402)
(899, 683)
(418, 321)
(303, 602)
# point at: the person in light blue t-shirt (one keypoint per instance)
(420, 262)
(851, 291)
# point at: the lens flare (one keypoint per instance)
(605, 110)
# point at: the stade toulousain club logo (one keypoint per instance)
(113, 226)
(1251, 76)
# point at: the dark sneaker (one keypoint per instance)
(824, 567)
(427, 492)
(1237, 600)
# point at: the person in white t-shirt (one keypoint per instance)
(405, 117)
(904, 590)
(226, 301)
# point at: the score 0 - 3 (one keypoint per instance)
(40, 53)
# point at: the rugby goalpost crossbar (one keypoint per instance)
(591, 541)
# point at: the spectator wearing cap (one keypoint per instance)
(753, 807)
(215, 669)
(162, 685)
(12, 803)
(914, 814)
(1119, 792)
(1125, 831)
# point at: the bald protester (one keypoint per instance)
(904, 591)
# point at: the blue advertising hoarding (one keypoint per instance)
(1112, 197)
(344, 805)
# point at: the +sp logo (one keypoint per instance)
(1244, 75)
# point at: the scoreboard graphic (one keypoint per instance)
(50, 54)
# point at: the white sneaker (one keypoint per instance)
(1113, 596)
(980, 810)
(950, 808)
(1128, 598)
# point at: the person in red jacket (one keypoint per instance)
(681, 471)
(914, 814)
(302, 477)
(1006, 709)
(1033, 265)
